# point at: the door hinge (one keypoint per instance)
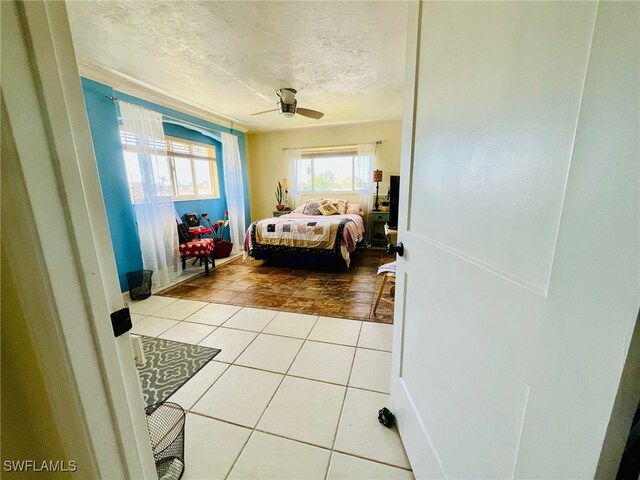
(121, 321)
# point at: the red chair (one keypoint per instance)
(195, 248)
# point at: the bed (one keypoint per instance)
(307, 239)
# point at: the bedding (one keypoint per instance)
(328, 209)
(312, 208)
(297, 233)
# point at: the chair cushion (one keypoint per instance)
(197, 248)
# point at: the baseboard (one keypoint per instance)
(182, 279)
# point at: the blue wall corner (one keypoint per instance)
(105, 133)
(213, 207)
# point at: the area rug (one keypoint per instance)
(168, 366)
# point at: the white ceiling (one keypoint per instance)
(346, 59)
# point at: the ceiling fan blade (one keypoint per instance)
(306, 112)
(266, 111)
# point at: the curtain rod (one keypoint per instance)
(116, 100)
(378, 142)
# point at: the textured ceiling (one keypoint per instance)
(345, 58)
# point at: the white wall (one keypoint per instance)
(268, 162)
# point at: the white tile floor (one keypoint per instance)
(290, 396)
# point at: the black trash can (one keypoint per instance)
(166, 430)
(139, 284)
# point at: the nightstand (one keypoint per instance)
(377, 221)
(277, 213)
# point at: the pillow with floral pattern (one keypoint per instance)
(311, 207)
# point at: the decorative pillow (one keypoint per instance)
(341, 206)
(300, 209)
(336, 200)
(328, 209)
(354, 208)
(311, 207)
(340, 203)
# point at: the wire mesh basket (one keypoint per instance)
(166, 430)
(139, 284)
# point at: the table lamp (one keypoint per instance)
(377, 177)
(285, 185)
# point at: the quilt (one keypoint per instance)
(335, 234)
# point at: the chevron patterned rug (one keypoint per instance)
(168, 366)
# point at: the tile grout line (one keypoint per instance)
(372, 460)
(152, 314)
(300, 377)
(161, 333)
(305, 340)
(229, 365)
(209, 387)
(173, 303)
(242, 329)
(344, 398)
(329, 449)
(223, 325)
(166, 318)
(265, 408)
(270, 400)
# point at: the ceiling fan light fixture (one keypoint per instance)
(288, 106)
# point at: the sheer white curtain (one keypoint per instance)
(152, 202)
(365, 162)
(295, 172)
(234, 188)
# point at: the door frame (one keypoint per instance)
(420, 451)
(57, 214)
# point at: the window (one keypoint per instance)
(329, 171)
(187, 171)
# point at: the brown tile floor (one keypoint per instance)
(257, 283)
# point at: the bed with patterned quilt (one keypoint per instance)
(303, 236)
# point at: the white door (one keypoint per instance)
(518, 289)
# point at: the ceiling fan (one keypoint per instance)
(288, 106)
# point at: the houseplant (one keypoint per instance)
(222, 247)
(279, 205)
(384, 205)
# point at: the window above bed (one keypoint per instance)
(330, 171)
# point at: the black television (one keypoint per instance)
(394, 194)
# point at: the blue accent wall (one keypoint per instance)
(105, 133)
(214, 207)
(103, 122)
